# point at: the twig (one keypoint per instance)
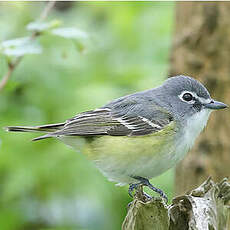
(11, 67)
(46, 10)
(14, 64)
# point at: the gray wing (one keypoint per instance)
(122, 117)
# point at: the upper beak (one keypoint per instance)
(215, 105)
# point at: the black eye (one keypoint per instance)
(187, 97)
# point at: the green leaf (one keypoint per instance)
(15, 42)
(43, 26)
(70, 32)
(77, 36)
(20, 46)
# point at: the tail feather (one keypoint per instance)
(42, 137)
(49, 129)
(43, 128)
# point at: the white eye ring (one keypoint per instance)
(192, 101)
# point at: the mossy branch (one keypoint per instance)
(204, 208)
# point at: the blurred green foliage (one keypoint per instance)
(46, 185)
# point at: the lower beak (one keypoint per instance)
(215, 105)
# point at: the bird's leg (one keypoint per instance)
(133, 187)
(145, 182)
(140, 194)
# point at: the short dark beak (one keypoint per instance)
(215, 105)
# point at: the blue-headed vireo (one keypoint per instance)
(137, 137)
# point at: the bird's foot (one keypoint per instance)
(133, 187)
(139, 189)
(139, 193)
(141, 196)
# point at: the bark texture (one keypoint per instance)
(202, 209)
(201, 49)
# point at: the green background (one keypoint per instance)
(45, 184)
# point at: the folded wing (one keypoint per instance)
(125, 118)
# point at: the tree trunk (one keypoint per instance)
(201, 49)
(202, 209)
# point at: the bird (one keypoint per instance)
(138, 136)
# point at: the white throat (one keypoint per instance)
(195, 125)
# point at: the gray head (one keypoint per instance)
(185, 96)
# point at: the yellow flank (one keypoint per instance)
(129, 148)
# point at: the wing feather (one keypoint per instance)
(103, 122)
(123, 117)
